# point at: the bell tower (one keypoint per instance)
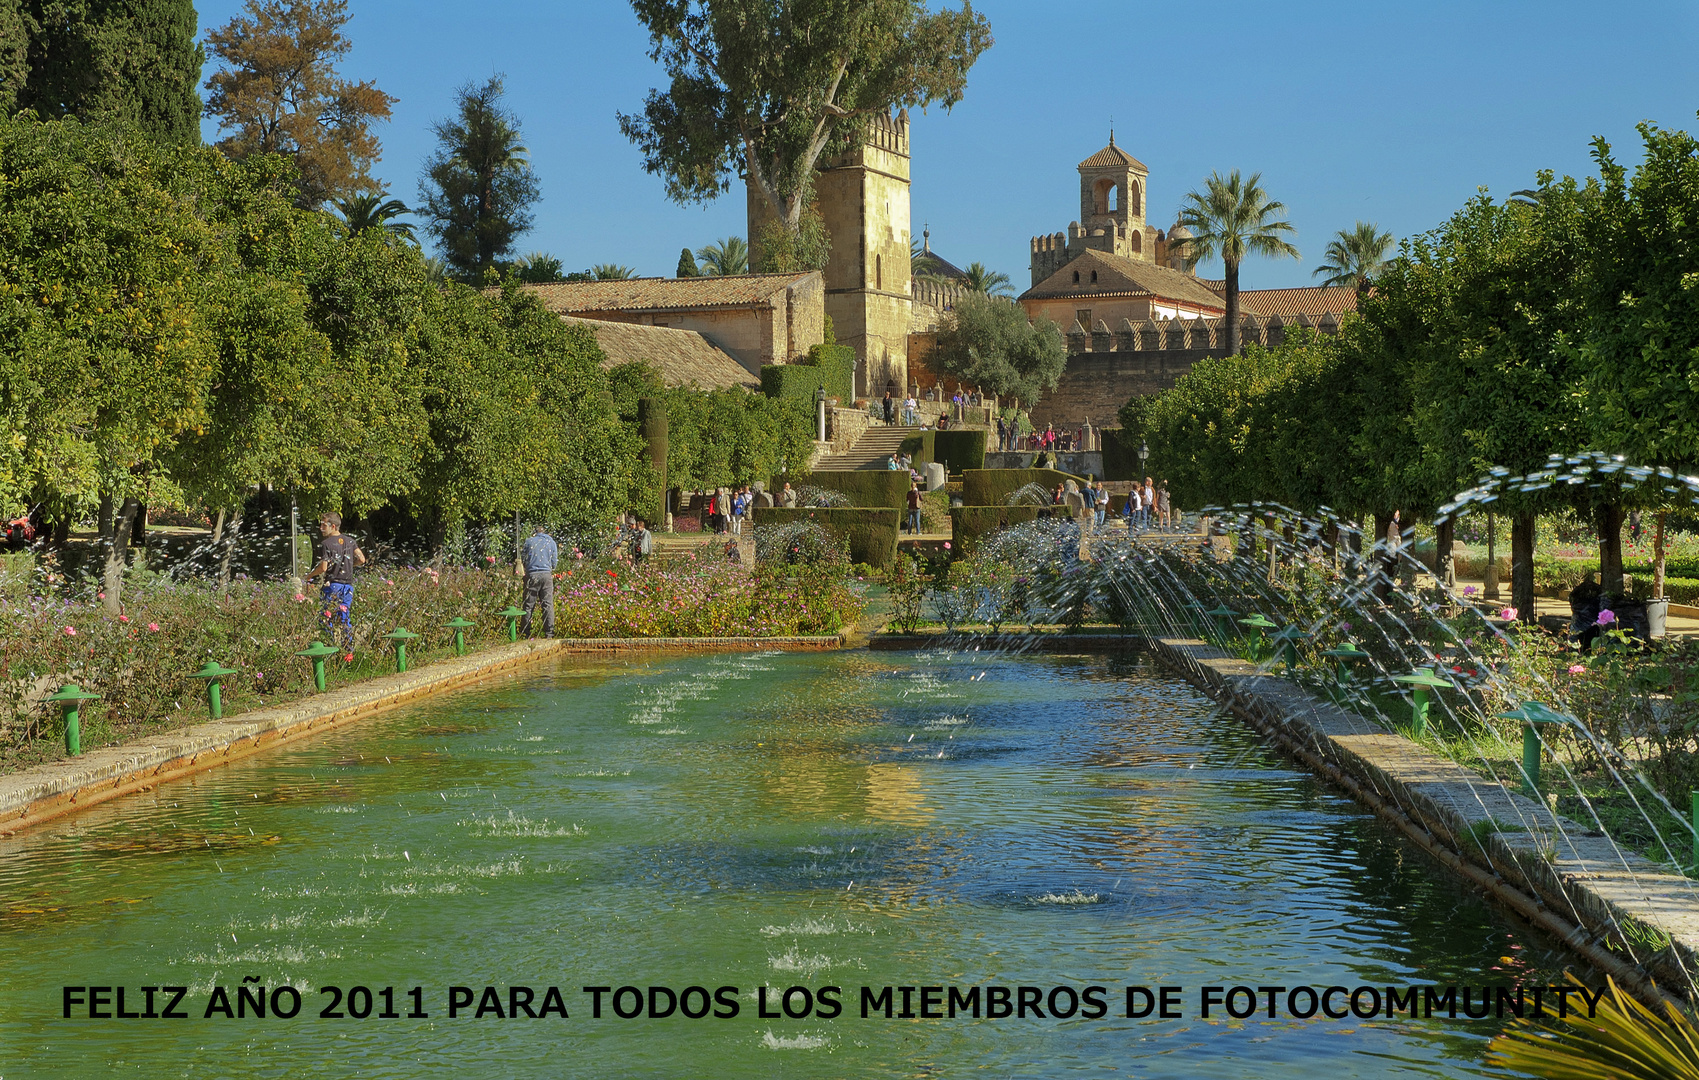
(1112, 201)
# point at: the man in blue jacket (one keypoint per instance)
(538, 557)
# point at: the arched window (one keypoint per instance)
(1114, 199)
(1076, 277)
(1094, 277)
(1133, 198)
(1137, 241)
(1104, 197)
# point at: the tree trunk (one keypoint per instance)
(1232, 292)
(1354, 548)
(1445, 568)
(138, 529)
(1609, 518)
(103, 526)
(118, 555)
(1386, 563)
(218, 528)
(439, 540)
(1489, 576)
(231, 535)
(62, 531)
(1658, 554)
(1273, 551)
(1522, 527)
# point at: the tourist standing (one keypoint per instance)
(914, 509)
(740, 506)
(911, 411)
(1002, 434)
(538, 557)
(642, 546)
(723, 509)
(1101, 494)
(1135, 509)
(1148, 498)
(1164, 511)
(787, 497)
(890, 408)
(338, 556)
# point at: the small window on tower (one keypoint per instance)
(1076, 277)
(1094, 277)
(878, 271)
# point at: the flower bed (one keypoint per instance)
(140, 661)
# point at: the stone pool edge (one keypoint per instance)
(46, 792)
(1577, 887)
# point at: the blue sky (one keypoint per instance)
(1392, 113)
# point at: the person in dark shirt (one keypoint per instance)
(914, 509)
(338, 556)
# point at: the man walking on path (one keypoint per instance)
(914, 509)
(338, 556)
(538, 557)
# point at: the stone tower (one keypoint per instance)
(864, 198)
(1112, 208)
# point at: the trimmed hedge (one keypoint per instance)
(828, 366)
(969, 523)
(1120, 460)
(865, 487)
(959, 450)
(992, 487)
(920, 446)
(870, 533)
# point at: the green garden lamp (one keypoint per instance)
(1532, 714)
(459, 626)
(512, 615)
(214, 674)
(1345, 655)
(1257, 622)
(316, 652)
(401, 636)
(1222, 613)
(72, 697)
(1421, 682)
(1286, 643)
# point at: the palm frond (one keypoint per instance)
(728, 256)
(1354, 256)
(1622, 1039)
(612, 272)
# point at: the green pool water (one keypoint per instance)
(746, 820)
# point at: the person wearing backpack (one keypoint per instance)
(338, 556)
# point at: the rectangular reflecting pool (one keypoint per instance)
(853, 819)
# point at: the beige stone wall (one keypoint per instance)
(806, 317)
(1109, 310)
(754, 336)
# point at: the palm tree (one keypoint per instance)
(977, 278)
(729, 256)
(539, 268)
(369, 211)
(612, 272)
(1354, 256)
(1233, 217)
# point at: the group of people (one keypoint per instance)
(728, 507)
(1144, 505)
(1009, 438)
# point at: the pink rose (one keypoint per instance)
(123, 618)
(70, 631)
(153, 626)
(299, 597)
(1577, 669)
(1606, 617)
(100, 596)
(1507, 613)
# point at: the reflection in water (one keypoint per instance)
(751, 820)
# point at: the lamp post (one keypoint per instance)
(1144, 455)
(820, 413)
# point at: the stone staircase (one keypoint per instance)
(870, 451)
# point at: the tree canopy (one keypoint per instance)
(764, 89)
(987, 342)
(478, 186)
(279, 93)
(1233, 218)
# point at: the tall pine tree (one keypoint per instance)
(135, 60)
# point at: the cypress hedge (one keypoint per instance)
(864, 487)
(992, 487)
(969, 523)
(959, 450)
(871, 534)
(828, 366)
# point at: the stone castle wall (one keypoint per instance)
(1105, 369)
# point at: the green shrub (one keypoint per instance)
(920, 446)
(992, 487)
(863, 487)
(1120, 460)
(969, 523)
(828, 366)
(870, 533)
(959, 450)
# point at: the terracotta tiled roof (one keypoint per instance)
(1119, 276)
(664, 294)
(1112, 155)
(683, 357)
(1312, 300)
